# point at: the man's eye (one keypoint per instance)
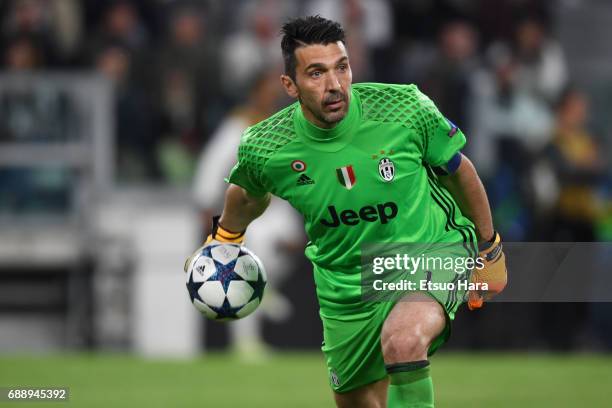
(315, 74)
(342, 67)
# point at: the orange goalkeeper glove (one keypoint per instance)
(494, 273)
(219, 235)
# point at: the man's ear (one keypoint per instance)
(290, 86)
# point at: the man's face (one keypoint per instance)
(323, 82)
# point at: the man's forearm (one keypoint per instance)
(241, 209)
(469, 193)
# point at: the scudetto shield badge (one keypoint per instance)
(346, 176)
(386, 169)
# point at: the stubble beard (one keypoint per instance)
(317, 109)
(332, 118)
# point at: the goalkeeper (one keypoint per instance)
(365, 163)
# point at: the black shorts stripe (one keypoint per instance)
(447, 208)
(449, 219)
(446, 203)
(449, 199)
(443, 207)
(452, 298)
(451, 301)
(467, 231)
(470, 246)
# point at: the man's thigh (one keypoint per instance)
(411, 328)
(352, 344)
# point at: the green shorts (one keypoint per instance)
(352, 346)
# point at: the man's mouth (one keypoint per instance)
(334, 104)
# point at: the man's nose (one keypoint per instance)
(332, 83)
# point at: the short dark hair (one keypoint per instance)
(306, 31)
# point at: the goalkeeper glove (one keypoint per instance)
(219, 235)
(493, 273)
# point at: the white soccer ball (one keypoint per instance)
(226, 281)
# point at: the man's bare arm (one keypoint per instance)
(469, 193)
(239, 211)
(241, 208)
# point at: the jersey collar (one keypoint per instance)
(333, 139)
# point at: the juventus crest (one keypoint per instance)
(386, 169)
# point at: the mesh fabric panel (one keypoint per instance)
(262, 140)
(403, 104)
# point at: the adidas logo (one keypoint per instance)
(304, 180)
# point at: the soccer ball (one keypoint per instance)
(225, 281)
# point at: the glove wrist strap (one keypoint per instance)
(487, 245)
(221, 234)
(491, 250)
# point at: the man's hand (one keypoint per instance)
(239, 210)
(494, 273)
(219, 235)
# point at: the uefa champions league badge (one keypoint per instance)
(386, 169)
(453, 130)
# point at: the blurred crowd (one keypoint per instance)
(181, 67)
(189, 75)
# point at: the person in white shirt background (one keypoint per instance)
(274, 237)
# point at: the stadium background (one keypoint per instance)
(106, 107)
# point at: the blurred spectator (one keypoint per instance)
(501, 109)
(67, 20)
(369, 27)
(579, 168)
(275, 235)
(259, 103)
(121, 25)
(136, 130)
(415, 20)
(497, 20)
(23, 54)
(190, 99)
(449, 76)
(509, 129)
(256, 46)
(30, 18)
(542, 69)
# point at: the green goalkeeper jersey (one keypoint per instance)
(369, 179)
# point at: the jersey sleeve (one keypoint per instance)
(248, 171)
(441, 138)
